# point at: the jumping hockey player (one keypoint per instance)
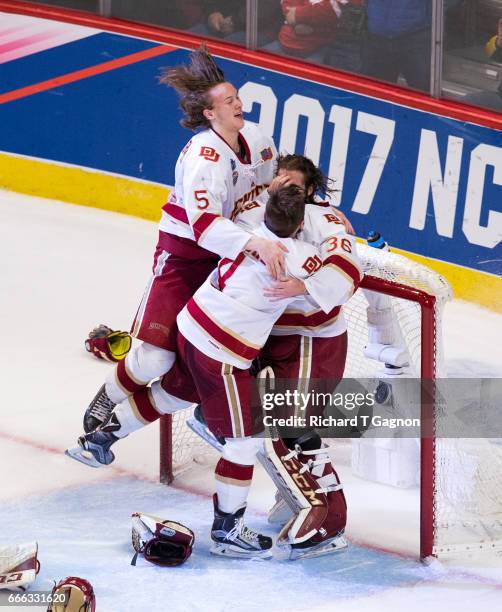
(226, 164)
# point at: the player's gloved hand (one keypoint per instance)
(105, 343)
(284, 289)
(271, 253)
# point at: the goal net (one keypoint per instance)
(460, 494)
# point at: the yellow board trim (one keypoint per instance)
(468, 284)
(87, 187)
(84, 186)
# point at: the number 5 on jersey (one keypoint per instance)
(201, 197)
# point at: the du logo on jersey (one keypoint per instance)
(235, 174)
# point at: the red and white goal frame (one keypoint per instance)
(418, 296)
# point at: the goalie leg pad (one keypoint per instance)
(298, 488)
(18, 566)
(280, 513)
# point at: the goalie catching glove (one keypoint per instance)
(162, 542)
(72, 594)
(104, 343)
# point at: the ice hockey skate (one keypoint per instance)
(198, 425)
(98, 410)
(336, 543)
(231, 538)
(93, 448)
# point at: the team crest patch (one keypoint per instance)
(235, 174)
(267, 154)
(209, 153)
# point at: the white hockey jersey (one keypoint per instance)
(212, 183)
(229, 319)
(319, 313)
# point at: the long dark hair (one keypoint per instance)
(316, 183)
(193, 83)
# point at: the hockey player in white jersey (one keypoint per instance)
(309, 341)
(226, 164)
(222, 329)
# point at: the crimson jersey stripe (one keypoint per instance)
(222, 278)
(220, 335)
(177, 212)
(202, 223)
(349, 268)
(297, 319)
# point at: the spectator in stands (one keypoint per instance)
(490, 99)
(308, 28)
(227, 19)
(344, 52)
(182, 14)
(493, 47)
(398, 41)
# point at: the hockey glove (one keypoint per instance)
(104, 343)
(161, 542)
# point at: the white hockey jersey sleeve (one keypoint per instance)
(341, 273)
(206, 195)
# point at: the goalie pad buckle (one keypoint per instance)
(162, 542)
(18, 566)
(72, 594)
(105, 343)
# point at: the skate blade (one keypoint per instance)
(83, 456)
(227, 550)
(203, 432)
(279, 514)
(335, 545)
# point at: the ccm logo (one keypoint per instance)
(302, 483)
(4, 578)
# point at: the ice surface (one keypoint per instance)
(66, 269)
